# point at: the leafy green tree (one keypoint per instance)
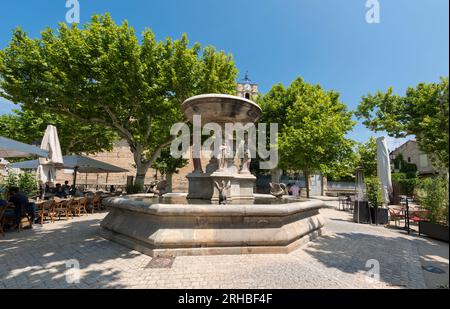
(312, 127)
(168, 165)
(74, 136)
(101, 74)
(433, 195)
(374, 193)
(26, 182)
(423, 111)
(367, 157)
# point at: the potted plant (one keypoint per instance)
(378, 214)
(434, 198)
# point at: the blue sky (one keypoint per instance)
(325, 41)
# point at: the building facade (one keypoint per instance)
(413, 155)
(247, 89)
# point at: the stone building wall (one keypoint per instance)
(120, 156)
(412, 154)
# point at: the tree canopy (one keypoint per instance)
(102, 74)
(367, 157)
(312, 127)
(75, 137)
(423, 111)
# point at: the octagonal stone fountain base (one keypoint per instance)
(179, 229)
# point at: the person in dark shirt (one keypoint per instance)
(21, 204)
(59, 192)
(66, 187)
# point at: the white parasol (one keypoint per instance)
(384, 169)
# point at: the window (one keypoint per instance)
(409, 159)
(423, 160)
(247, 96)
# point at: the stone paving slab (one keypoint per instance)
(44, 258)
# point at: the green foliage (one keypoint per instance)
(409, 169)
(101, 74)
(26, 182)
(74, 136)
(367, 157)
(407, 184)
(312, 127)
(423, 112)
(373, 186)
(134, 189)
(166, 164)
(433, 195)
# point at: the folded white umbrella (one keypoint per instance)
(47, 166)
(384, 169)
(13, 149)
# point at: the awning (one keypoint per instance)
(13, 149)
(81, 163)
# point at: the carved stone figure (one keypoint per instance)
(223, 190)
(158, 187)
(245, 169)
(197, 165)
(197, 162)
(223, 156)
(277, 189)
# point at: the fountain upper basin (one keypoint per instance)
(221, 108)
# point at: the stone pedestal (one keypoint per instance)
(246, 185)
(200, 186)
(241, 186)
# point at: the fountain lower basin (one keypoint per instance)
(158, 229)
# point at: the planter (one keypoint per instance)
(383, 216)
(434, 230)
(362, 209)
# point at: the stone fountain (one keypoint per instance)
(196, 223)
(222, 109)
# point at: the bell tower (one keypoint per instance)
(247, 89)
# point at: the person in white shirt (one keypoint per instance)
(295, 189)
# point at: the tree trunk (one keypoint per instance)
(306, 174)
(142, 167)
(169, 182)
(141, 171)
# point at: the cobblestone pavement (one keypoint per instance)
(41, 258)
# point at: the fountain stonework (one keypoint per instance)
(162, 227)
(221, 109)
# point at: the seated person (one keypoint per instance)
(289, 189)
(72, 190)
(59, 191)
(21, 204)
(79, 193)
(3, 203)
(66, 187)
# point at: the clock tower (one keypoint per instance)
(247, 89)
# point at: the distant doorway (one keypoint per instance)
(316, 185)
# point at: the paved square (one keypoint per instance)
(44, 258)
